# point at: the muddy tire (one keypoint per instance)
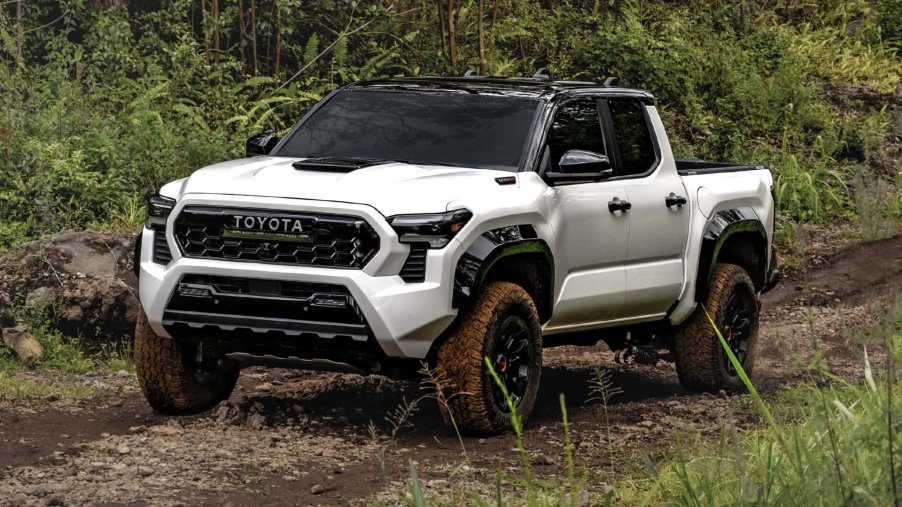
(702, 363)
(170, 377)
(504, 326)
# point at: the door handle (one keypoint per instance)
(619, 205)
(675, 200)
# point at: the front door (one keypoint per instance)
(591, 240)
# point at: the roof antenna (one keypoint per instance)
(542, 73)
(470, 73)
(611, 81)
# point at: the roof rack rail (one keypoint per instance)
(542, 73)
(471, 73)
(611, 81)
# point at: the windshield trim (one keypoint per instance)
(524, 153)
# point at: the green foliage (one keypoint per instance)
(809, 186)
(103, 106)
(60, 353)
(15, 386)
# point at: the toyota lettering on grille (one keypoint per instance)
(266, 228)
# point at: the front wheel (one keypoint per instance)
(503, 326)
(701, 361)
(172, 379)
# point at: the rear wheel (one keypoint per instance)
(503, 326)
(178, 378)
(702, 363)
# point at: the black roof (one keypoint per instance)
(522, 87)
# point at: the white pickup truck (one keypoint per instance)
(445, 221)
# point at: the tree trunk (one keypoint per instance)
(480, 28)
(214, 10)
(278, 29)
(452, 43)
(441, 26)
(206, 31)
(20, 34)
(242, 34)
(254, 35)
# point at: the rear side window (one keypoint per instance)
(633, 137)
(576, 126)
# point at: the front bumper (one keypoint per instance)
(403, 318)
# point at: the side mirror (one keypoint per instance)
(581, 165)
(261, 144)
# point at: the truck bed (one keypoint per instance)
(688, 167)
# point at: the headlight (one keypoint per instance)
(434, 229)
(158, 210)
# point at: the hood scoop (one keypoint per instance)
(336, 164)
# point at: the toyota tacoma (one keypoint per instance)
(453, 222)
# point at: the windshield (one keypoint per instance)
(456, 129)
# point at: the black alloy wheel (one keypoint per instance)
(512, 361)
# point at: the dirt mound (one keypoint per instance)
(856, 275)
(82, 280)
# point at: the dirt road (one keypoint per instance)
(300, 438)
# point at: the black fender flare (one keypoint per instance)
(718, 230)
(490, 248)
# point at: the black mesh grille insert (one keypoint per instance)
(277, 237)
(161, 253)
(414, 269)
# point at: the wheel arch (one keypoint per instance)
(513, 254)
(734, 236)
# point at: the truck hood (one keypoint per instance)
(392, 188)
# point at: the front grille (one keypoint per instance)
(414, 269)
(161, 253)
(319, 240)
(291, 309)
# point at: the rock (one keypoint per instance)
(543, 460)
(26, 346)
(166, 430)
(145, 471)
(39, 296)
(123, 449)
(317, 489)
(85, 275)
(123, 373)
(264, 387)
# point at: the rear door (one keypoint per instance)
(659, 228)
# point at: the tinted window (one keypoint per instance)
(575, 127)
(637, 153)
(443, 128)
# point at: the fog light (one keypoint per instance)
(193, 292)
(329, 302)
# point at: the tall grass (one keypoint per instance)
(837, 445)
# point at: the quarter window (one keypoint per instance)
(631, 132)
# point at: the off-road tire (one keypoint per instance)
(700, 357)
(167, 374)
(468, 386)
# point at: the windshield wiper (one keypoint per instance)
(337, 164)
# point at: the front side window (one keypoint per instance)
(631, 132)
(456, 129)
(576, 126)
